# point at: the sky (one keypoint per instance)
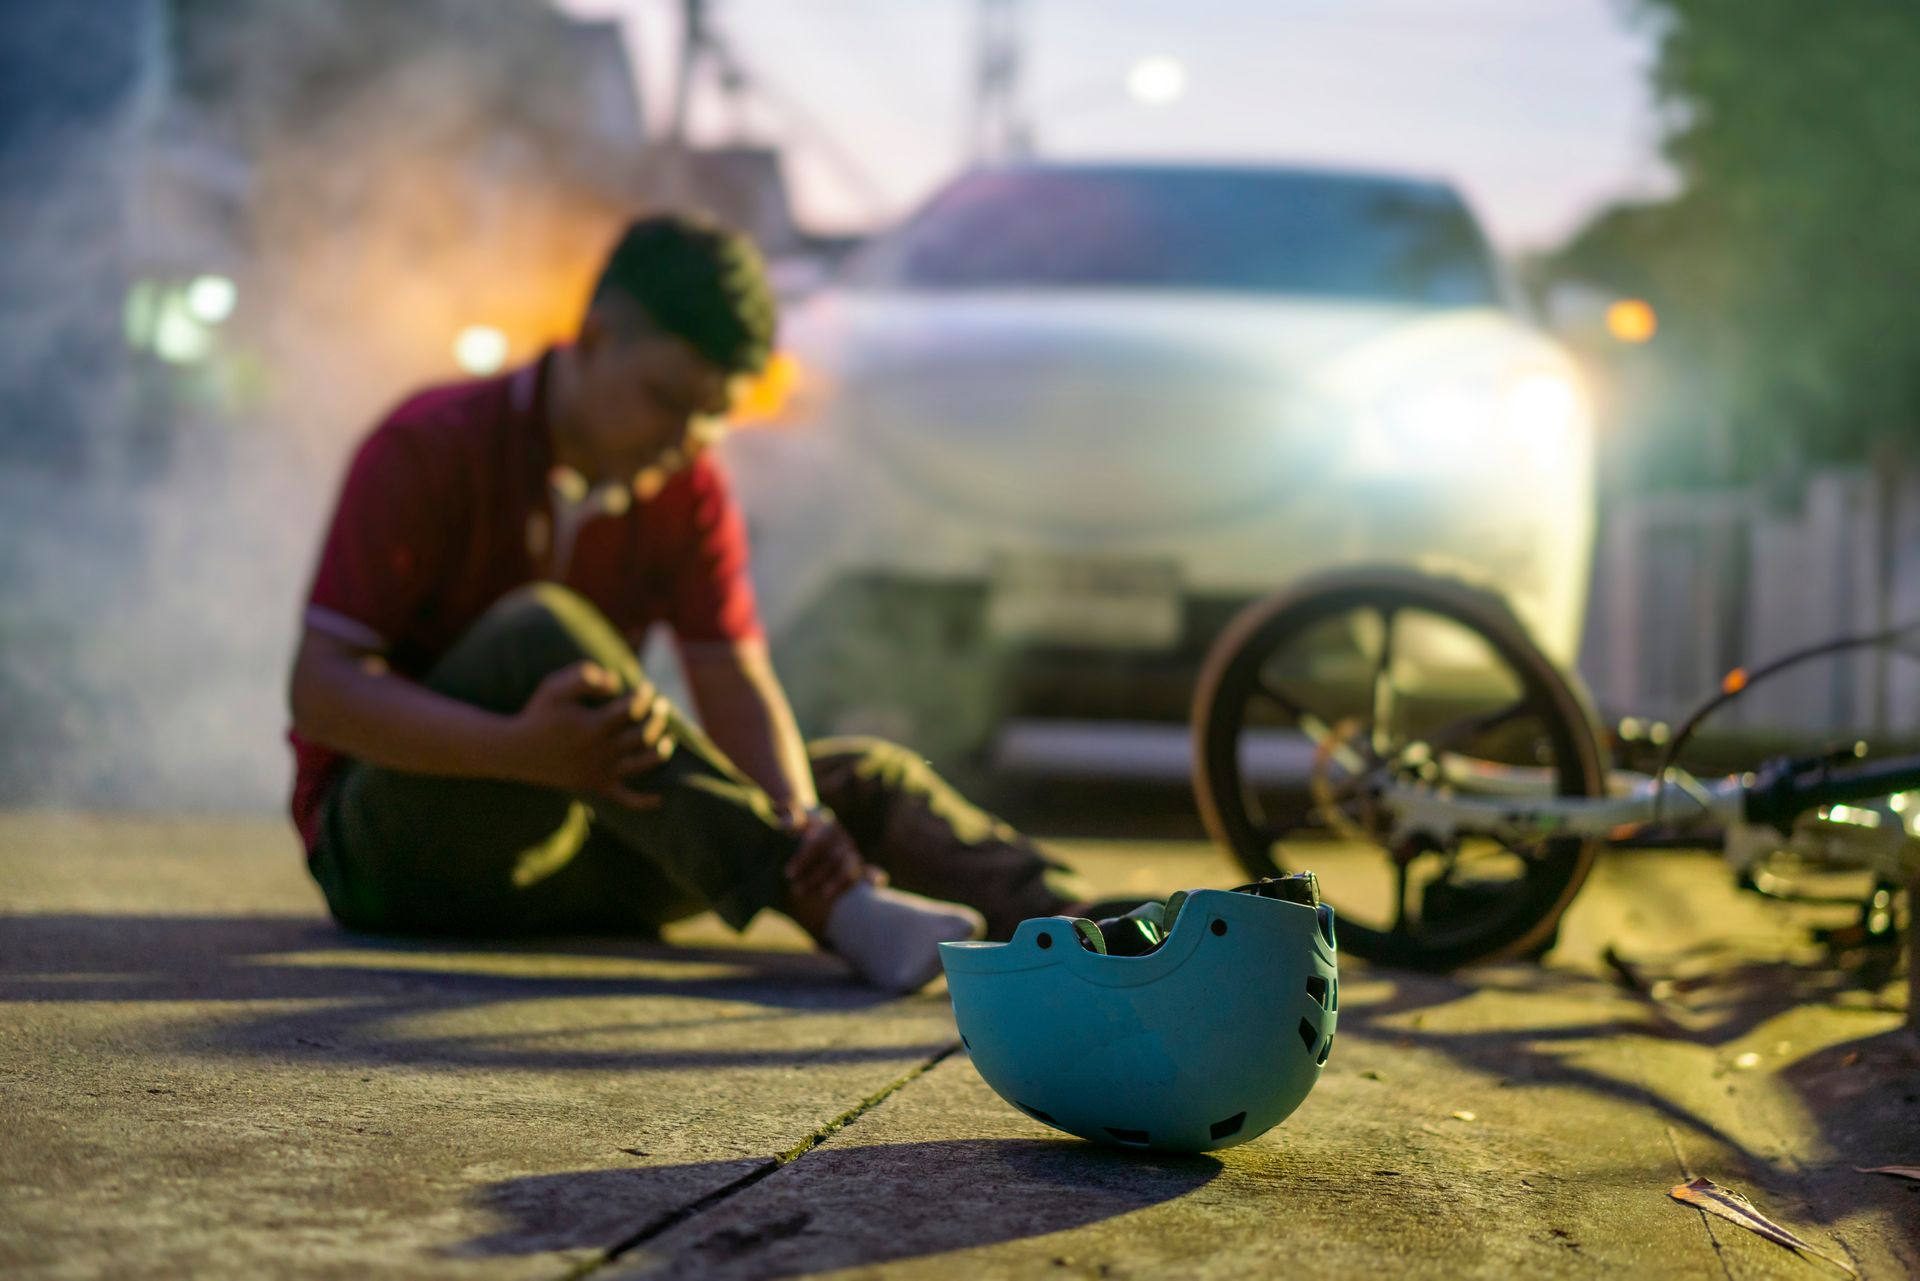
(1538, 109)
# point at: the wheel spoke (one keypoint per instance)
(1278, 821)
(1382, 689)
(1402, 875)
(1303, 716)
(1274, 694)
(1321, 735)
(1308, 722)
(1450, 736)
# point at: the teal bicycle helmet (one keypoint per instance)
(1209, 1032)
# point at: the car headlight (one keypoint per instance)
(1538, 416)
(1546, 415)
(1544, 404)
(1444, 416)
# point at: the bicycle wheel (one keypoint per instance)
(1312, 699)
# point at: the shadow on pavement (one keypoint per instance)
(1515, 1056)
(357, 993)
(1863, 1095)
(971, 1192)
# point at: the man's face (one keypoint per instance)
(648, 402)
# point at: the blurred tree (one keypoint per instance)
(1783, 272)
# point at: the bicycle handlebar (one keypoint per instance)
(1782, 790)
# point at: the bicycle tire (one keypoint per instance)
(1255, 634)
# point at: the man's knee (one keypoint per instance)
(546, 610)
(857, 775)
(868, 757)
(524, 637)
(559, 621)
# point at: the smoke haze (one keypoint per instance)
(374, 177)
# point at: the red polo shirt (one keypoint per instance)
(448, 506)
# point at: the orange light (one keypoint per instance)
(1736, 680)
(1631, 320)
(766, 397)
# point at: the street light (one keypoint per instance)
(1157, 81)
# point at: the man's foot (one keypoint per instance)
(892, 938)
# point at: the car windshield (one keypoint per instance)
(1245, 231)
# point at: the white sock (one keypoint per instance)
(893, 938)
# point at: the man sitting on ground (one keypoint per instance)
(477, 748)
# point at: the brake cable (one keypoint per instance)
(1740, 680)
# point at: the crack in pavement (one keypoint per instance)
(1706, 1220)
(674, 1218)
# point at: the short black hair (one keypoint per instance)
(698, 282)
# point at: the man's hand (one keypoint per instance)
(827, 864)
(581, 733)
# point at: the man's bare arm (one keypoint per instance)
(577, 732)
(346, 698)
(747, 715)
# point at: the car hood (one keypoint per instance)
(1108, 410)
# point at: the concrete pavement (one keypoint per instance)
(200, 1076)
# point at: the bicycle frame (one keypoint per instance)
(1881, 836)
(1411, 797)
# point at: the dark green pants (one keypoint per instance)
(415, 853)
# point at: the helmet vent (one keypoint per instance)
(1319, 990)
(1044, 940)
(1035, 1113)
(1324, 1051)
(1309, 1035)
(1221, 1129)
(1128, 1136)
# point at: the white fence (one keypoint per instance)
(1690, 585)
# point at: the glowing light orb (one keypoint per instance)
(480, 350)
(210, 299)
(1631, 320)
(1157, 81)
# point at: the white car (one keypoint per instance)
(1059, 426)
